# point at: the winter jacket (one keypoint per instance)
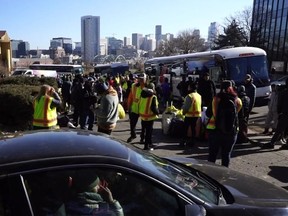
(107, 111)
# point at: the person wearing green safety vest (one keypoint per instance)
(133, 104)
(45, 107)
(192, 112)
(148, 111)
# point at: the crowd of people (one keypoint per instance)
(94, 99)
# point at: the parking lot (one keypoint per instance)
(249, 158)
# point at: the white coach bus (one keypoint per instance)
(61, 69)
(228, 63)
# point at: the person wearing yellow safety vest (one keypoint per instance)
(126, 87)
(219, 140)
(133, 104)
(192, 111)
(45, 107)
(148, 111)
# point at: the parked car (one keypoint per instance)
(281, 81)
(41, 172)
(22, 72)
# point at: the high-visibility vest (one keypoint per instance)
(43, 115)
(136, 94)
(145, 111)
(125, 86)
(195, 108)
(211, 123)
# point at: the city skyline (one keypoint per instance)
(39, 23)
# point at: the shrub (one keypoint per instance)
(16, 96)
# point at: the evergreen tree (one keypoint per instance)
(233, 36)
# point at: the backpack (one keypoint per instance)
(227, 116)
(244, 112)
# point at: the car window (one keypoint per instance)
(86, 192)
(13, 199)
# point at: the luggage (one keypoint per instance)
(169, 113)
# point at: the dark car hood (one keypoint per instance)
(244, 188)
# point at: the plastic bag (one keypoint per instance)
(169, 113)
(121, 111)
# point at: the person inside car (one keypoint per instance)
(90, 196)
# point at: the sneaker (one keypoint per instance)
(267, 146)
(148, 148)
(70, 125)
(131, 138)
(142, 141)
(283, 141)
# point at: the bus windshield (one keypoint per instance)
(237, 68)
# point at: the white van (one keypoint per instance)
(32, 73)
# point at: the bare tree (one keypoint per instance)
(166, 48)
(187, 41)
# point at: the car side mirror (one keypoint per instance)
(195, 210)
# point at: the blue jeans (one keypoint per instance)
(219, 141)
(83, 119)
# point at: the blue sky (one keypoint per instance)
(38, 21)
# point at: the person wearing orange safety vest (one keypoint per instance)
(192, 111)
(148, 111)
(216, 138)
(133, 104)
(45, 107)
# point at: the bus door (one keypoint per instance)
(216, 75)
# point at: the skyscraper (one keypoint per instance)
(90, 37)
(137, 40)
(213, 33)
(269, 31)
(127, 42)
(158, 34)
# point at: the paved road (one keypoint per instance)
(270, 165)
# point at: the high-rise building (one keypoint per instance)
(104, 46)
(196, 32)
(90, 37)
(77, 49)
(137, 40)
(20, 48)
(269, 31)
(213, 33)
(23, 49)
(149, 43)
(158, 34)
(127, 42)
(167, 37)
(65, 43)
(14, 46)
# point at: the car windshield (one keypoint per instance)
(180, 176)
(18, 72)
